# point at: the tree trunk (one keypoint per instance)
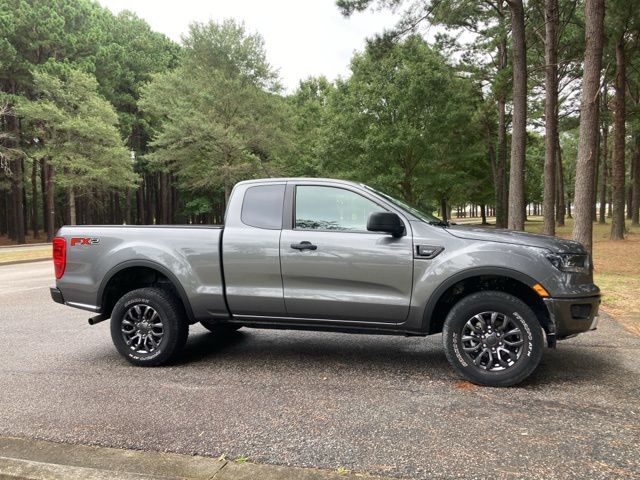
(157, 184)
(560, 199)
(175, 203)
(165, 198)
(34, 198)
(140, 205)
(4, 213)
(127, 206)
(501, 190)
(550, 114)
(49, 201)
(43, 196)
(519, 121)
(595, 182)
(603, 185)
(17, 186)
(617, 165)
(117, 210)
(635, 183)
(25, 211)
(500, 179)
(227, 192)
(632, 167)
(483, 214)
(149, 196)
(72, 206)
(588, 139)
(443, 209)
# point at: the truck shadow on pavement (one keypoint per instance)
(377, 357)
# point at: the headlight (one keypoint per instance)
(570, 262)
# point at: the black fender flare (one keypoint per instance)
(153, 266)
(464, 275)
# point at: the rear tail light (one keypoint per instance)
(59, 256)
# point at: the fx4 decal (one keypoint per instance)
(84, 241)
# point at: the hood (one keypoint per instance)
(554, 244)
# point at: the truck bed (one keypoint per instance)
(189, 255)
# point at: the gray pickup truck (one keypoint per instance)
(331, 255)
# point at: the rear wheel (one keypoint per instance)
(493, 338)
(148, 326)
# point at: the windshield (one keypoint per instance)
(416, 212)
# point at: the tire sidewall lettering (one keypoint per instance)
(528, 332)
(136, 300)
(456, 350)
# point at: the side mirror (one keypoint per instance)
(387, 222)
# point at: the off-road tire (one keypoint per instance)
(170, 312)
(520, 316)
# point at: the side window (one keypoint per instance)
(262, 206)
(330, 208)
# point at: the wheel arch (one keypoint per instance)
(136, 267)
(473, 280)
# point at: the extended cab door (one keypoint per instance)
(251, 250)
(332, 267)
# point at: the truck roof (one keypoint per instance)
(298, 179)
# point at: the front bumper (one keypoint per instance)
(56, 295)
(573, 315)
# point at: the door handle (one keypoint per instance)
(304, 246)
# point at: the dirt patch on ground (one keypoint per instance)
(464, 385)
(631, 323)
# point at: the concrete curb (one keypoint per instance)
(29, 459)
(26, 260)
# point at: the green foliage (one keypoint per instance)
(417, 119)
(130, 54)
(218, 123)
(404, 123)
(77, 129)
(309, 115)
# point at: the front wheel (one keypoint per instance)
(493, 339)
(148, 326)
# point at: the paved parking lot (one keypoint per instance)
(380, 404)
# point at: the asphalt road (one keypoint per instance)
(380, 404)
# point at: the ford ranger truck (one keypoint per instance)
(331, 255)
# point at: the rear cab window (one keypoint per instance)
(262, 206)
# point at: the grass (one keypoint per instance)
(27, 253)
